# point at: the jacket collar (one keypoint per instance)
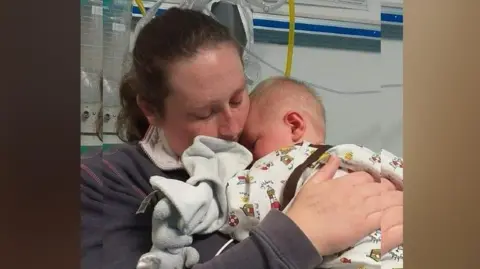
(155, 145)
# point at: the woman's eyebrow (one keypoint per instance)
(239, 91)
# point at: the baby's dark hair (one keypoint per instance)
(174, 35)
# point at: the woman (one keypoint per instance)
(187, 80)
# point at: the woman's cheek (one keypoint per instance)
(206, 128)
(243, 114)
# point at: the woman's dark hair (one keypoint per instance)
(176, 34)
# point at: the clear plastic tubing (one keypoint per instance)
(117, 15)
(91, 49)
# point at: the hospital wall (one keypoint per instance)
(391, 112)
(374, 120)
(392, 100)
(351, 65)
(348, 66)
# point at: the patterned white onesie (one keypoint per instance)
(252, 193)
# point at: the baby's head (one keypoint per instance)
(283, 112)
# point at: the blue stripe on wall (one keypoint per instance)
(136, 10)
(385, 17)
(317, 28)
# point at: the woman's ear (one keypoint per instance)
(147, 111)
(297, 125)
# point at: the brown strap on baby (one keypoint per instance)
(292, 181)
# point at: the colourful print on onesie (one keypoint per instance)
(366, 253)
(252, 193)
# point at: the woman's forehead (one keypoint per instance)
(215, 72)
(201, 91)
(205, 101)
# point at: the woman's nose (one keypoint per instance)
(229, 129)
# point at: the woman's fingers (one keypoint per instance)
(357, 178)
(327, 171)
(371, 189)
(392, 238)
(337, 213)
(389, 184)
(376, 205)
(392, 221)
(392, 217)
(394, 183)
(392, 227)
(392, 199)
(373, 221)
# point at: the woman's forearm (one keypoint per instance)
(277, 243)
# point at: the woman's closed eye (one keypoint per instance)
(236, 101)
(237, 98)
(205, 116)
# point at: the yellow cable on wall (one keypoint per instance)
(141, 7)
(291, 32)
(291, 37)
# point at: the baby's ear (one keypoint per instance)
(297, 125)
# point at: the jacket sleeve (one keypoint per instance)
(277, 243)
(113, 236)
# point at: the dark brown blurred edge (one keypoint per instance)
(39, 107)
(441, 91)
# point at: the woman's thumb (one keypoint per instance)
(328, 170)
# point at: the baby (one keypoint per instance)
(285, 132)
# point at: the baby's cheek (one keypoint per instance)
(257, 154)
(259, 151)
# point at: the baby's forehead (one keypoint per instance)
(276, 97)
(279, 90)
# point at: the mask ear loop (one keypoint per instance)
(224, 247)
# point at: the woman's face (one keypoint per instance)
(209, 97)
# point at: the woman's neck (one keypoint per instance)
(156, 147)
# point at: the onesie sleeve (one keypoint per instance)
(277, 243)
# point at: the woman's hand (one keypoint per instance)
(335, 214)
(392, 220)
